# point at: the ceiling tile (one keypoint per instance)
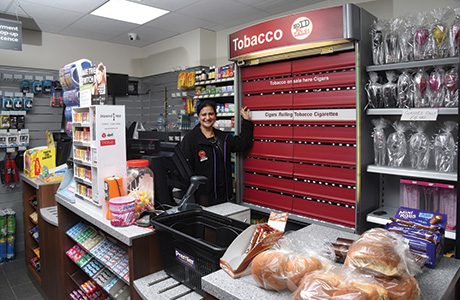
(60, 18)
(4, 4)
(167, 4)
(180, 23)
(82, 6)
(276, 7)
(86, 34)
(108, 27)
(219, 11)
(147, 35)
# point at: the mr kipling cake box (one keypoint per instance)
(424, 231)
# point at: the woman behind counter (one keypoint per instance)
(208, 151)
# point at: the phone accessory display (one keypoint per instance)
(7, 103)
(380, 143)
(28, 103)
(419, 147)
(397, 145)
(445, 148)
(25, 86)
(56, 99)
(46, 86)
(18, 103)
(37, 87)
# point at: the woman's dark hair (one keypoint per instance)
(205, 103)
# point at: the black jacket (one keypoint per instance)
(212, 159)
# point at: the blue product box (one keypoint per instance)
(424, 231)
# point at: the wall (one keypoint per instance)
(379, 8)
(178, 52)
(41, 117)
(57, 50)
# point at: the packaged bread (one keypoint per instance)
(267, 269)
(403, 287)
(278, 269)
(382, 253)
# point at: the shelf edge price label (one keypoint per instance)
(420, 114)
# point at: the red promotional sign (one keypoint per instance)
(110, 142)
(300, 28)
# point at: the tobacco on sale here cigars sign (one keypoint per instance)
(300, 28)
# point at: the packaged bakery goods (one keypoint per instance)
(403, 287)
(254, 240)
(318, 285)
(267, 269)
(381, 252)
(297, 266)
(279, 269)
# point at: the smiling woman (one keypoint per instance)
(208, 152)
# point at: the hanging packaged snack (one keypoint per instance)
(392, 49)
(406, 44)
(443, 19)
(419, 147)
(390, 90)
(397, 145)
(445, 148)
(374, 91)
(405, 90)
(380, 143)
(450, 81)
(421, 89)
(421, 36)
(454, 34)
(378, 53)
(438, 91)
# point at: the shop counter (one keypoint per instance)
(92, 214)
(434, 284)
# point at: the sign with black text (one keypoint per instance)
(10, 34)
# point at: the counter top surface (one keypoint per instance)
(93, 215)
(226, 209)
(434, 283)
(35, 182)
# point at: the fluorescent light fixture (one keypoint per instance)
(127, 11)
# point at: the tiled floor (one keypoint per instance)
(15, 282)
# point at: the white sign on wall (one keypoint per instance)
(305, 115)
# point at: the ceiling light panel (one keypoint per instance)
(127, 11)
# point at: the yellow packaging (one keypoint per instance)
(38, 159)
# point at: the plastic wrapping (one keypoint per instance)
(445, 148)
(421, 37)
(409, 195)
(448, 206)
(389, 90)
(380, 142)
(454, 34)
(374, 91)
(406, 41)
(405, 90)
(438, 91)
(421, 89)
(397, 145)
(378, 54)
(442, 21)
(391, 42)
(381, 253)
(450, 81)
(280, 269)
(419, 147)
(346, 284)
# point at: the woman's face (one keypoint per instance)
(207, 117)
